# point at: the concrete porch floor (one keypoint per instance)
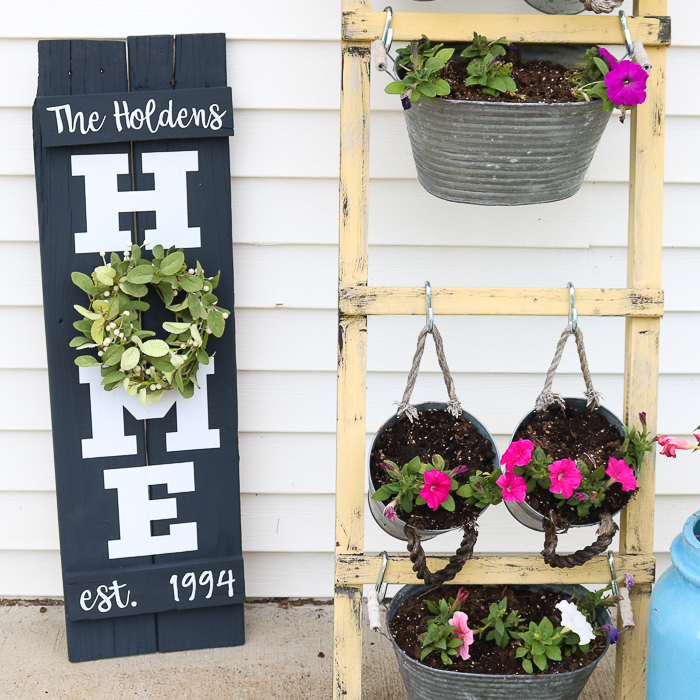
(287, 655)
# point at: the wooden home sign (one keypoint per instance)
(148, 497)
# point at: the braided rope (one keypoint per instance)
(454, 407)
(605, 534)
(456, 563)
(601, 6)
(548, 397)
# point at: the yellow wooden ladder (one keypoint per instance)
(641, 303)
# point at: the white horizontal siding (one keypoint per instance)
(307, 213)
(277, 523)
(305, 277)
(304, 402)
(286, 151)
(295, 463)
(248, 60)
(297, 143)
(474, 344)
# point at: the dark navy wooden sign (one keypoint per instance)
(148, 500)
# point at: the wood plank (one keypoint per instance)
(247, 59)
(363, 569)
(280, 19)
(27, 464)
(642, 346)
(304, 523)
(305, 401)
(361, 300)
(267, 150)
(301, 199)
(578, 29)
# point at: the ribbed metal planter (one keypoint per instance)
(395, 528)
(425, 683)
(503, 153)
(524, 513)
(557, 7)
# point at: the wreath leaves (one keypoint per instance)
(130, 356)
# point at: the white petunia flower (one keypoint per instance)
(572, 618)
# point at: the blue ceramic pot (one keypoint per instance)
(673, 652)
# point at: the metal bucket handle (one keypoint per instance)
(606, 531)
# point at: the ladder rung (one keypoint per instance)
(357, 569)
(500, 301)
(559, 29)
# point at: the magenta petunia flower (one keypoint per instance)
(518, 454)
(565, 477)
(581, 496)
(461, 631)
(621, 472)
(513, 486)
(671, 444)
(627, 84)
(460, 469)
(436, 489)
(608, 57)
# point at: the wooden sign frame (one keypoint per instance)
(148, 500)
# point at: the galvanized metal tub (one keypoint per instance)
(395, 528)
(425, 683)
(557, 7)
(527, 515)
(503, 153)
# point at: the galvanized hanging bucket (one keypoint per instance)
(527, 515)
(425, 683)
(503, 153)
(396, 528)
(557, 7)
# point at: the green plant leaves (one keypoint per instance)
(155, 348)
(175, 327)
(86, 361)
(83, 281)
(217, 323)
(172, 263)
(141, 274)
(130, 359)
(191, 283)
(105, 274)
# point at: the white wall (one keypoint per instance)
(284, 60)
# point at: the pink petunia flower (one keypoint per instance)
(460, 469)
(513, 486)
(581, 496)
(518, 454)
(608, 57)
(436, 489)
(621, 472)
(462, 595)
(627, 84)
(565, 477)
(671, 444)
(461, 631)
(390, 511)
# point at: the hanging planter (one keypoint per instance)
(488, 127)
(490, 641)
(573, 7)
(432, 468)
(572, 463)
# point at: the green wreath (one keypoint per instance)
(112, 324)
